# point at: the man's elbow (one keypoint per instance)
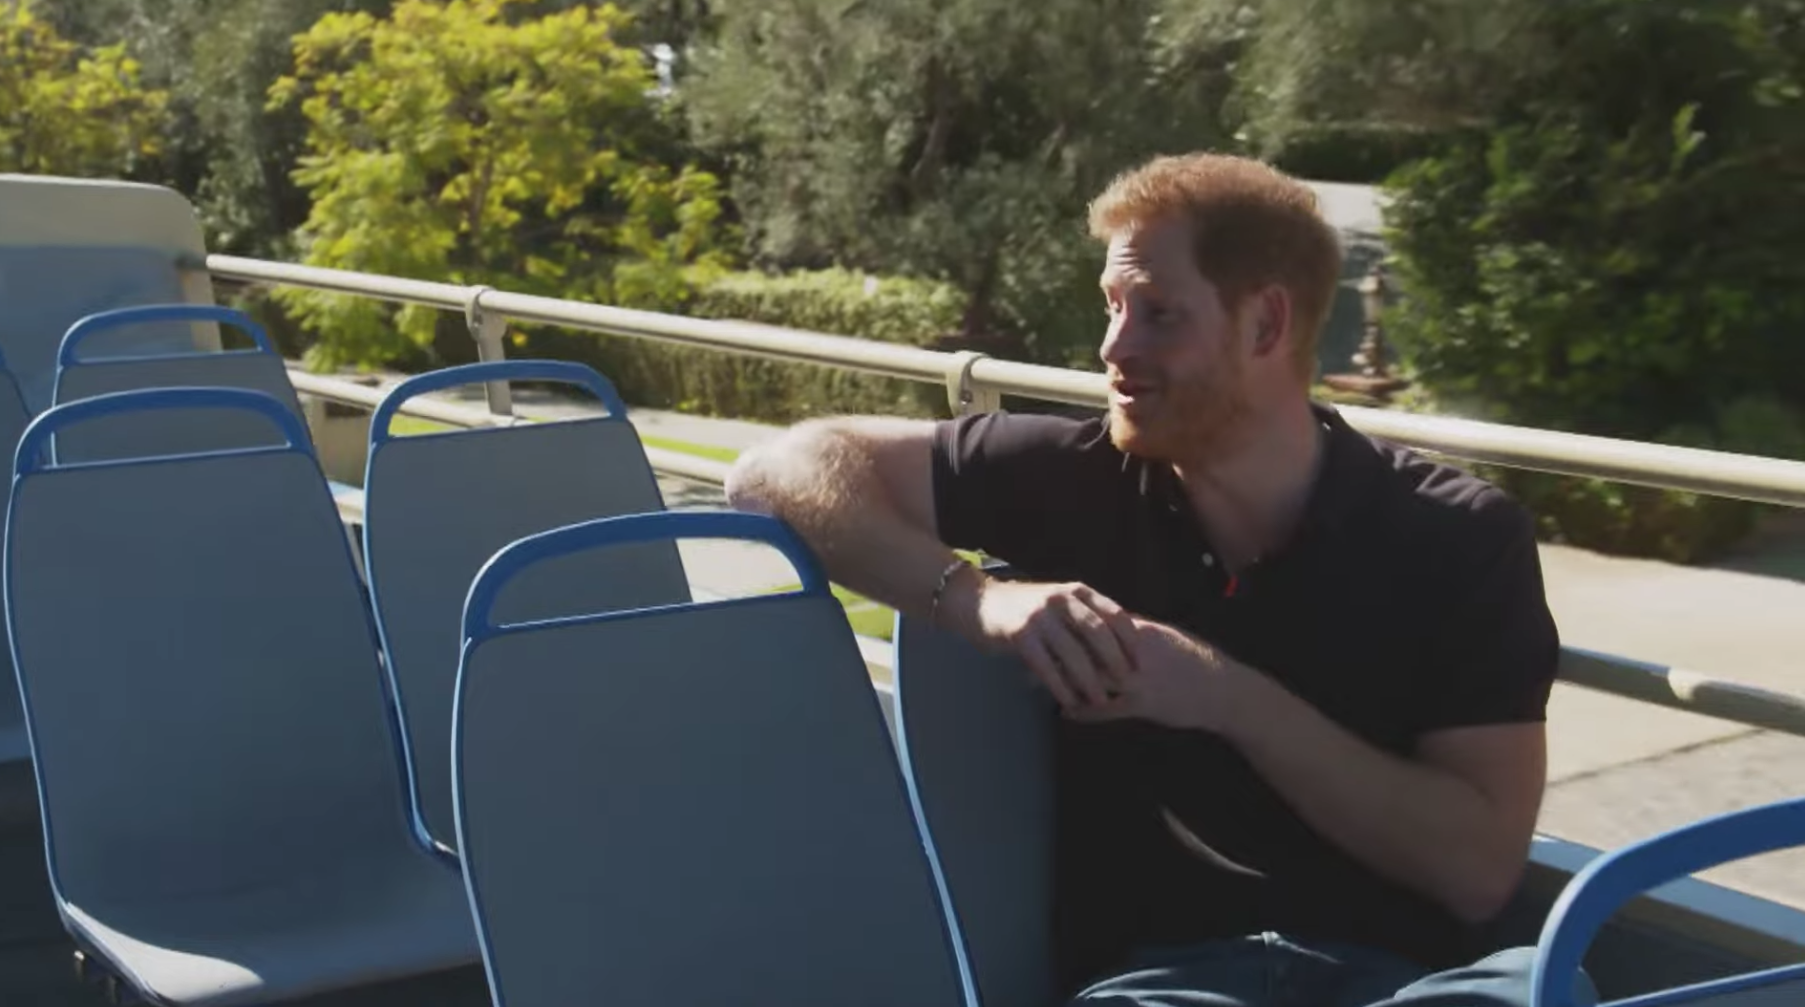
(765, 477)
(1485, 888)
(763, 481)
(747, 485)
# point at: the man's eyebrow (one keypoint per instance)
(1108, 281)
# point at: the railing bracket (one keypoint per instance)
(961, 396)
(488, 330)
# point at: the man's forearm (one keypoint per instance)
(825, 486)
(1421, 826)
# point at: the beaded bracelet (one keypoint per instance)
(946, 577)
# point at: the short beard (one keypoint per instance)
(1193, 422)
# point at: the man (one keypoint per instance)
(1303, 675)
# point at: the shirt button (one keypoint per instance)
(1209, 560)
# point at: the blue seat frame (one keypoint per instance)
(506, 482)
(88, 326)
(141, 754)
(1599, 890)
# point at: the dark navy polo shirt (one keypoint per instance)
(1409, 600)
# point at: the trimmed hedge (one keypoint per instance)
(910, 312)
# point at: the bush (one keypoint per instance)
(1354, 154)
(1630, 520)
(836, 302)
(1621, 254)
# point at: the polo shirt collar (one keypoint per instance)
(1350, 467)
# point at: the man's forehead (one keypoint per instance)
(1153, 256)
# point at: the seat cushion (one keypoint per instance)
(396, 915)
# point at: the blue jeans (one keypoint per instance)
(1268, 970)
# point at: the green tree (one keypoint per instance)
(1363, 72)
(949, 139)
(1615, 248)
(216, 59)
(222, 57)
(449, 142)
(66, 109)
(671, 22)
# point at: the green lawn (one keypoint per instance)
(407, 426)
(701, 450)
(868, 618)
(402, 425)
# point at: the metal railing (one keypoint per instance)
(352, 393)
(974, 381)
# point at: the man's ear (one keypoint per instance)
(1271, 311)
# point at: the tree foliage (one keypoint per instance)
(66, 109)
(216, 60)
(1598, 205)
(1616, 253)
(953, 139)
(1602, 256)
(448, 142)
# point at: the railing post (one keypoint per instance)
(961, 395)
(488, 329)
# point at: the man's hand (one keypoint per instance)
(1076, 640)
(1179, 681)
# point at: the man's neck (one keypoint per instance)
(1250, 498)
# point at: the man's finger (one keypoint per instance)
(1118, 620)
(1074, 659)
(1109, 651)
(1040, 661)
(1116, 709)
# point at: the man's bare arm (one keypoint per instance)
(860, 492)
(1455, 822)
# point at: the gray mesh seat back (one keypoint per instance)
(975, 736)
(13, 747)
(47, 288)
(438, 506)
(693, 806)
(200, 675)
(176, 431)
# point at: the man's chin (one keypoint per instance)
(1164, 439)
(1131, 437)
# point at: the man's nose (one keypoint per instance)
(1122, 341)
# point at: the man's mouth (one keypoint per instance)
(1129, 392)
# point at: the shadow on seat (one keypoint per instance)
(176, 431)
(438, 506)
(222, 801)
(1598, 891)
(975, 737)
(13, 746)
(690, 805)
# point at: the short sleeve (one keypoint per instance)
(1011, 484)
(1497, 646)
